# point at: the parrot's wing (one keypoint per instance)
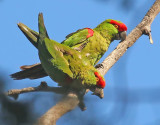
(78, 39)
(59, 56)
(52, 53)
(69, 35)
(34, 71)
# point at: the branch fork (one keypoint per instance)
(45, 88)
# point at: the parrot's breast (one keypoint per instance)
(95, 48)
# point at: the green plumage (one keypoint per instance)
(64, 64)
(92, 48)
(71, 63)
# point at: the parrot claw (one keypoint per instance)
(99, 66)
(82, 105)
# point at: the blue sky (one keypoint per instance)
(133, 83)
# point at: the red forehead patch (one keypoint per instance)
(121, 26)
(101, 83)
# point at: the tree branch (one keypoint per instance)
(42, 87)
(144, 27)
(67, 104)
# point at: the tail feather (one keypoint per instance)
(31, 35)
(42, 30)
(24, 67)
(32, 72)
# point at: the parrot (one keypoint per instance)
(92, 43)
(66, 66)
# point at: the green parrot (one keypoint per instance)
(92, 43)
(66, 66)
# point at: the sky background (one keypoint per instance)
(133, 83)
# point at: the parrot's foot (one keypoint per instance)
(80, 94)
(81, 104)
(99, 66)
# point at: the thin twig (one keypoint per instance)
(42, 87)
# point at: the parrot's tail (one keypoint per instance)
(31, 35)
(30, 71)
(42, 30)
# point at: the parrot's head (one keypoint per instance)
(112, 29)
(100, 84)
(121, 27)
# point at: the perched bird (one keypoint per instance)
(92, 43)
(66, 66)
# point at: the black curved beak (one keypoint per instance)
(98, 92)
(120, 36)
(123, 35)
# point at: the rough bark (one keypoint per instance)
(67, 104)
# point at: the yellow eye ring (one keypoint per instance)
(97, 79)
(116, 26)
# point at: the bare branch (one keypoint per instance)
(42, 87)
(65, 105)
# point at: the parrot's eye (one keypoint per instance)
(97, 79)
(116, 26)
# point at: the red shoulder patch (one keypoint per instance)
(101, 83)
(90, 32)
